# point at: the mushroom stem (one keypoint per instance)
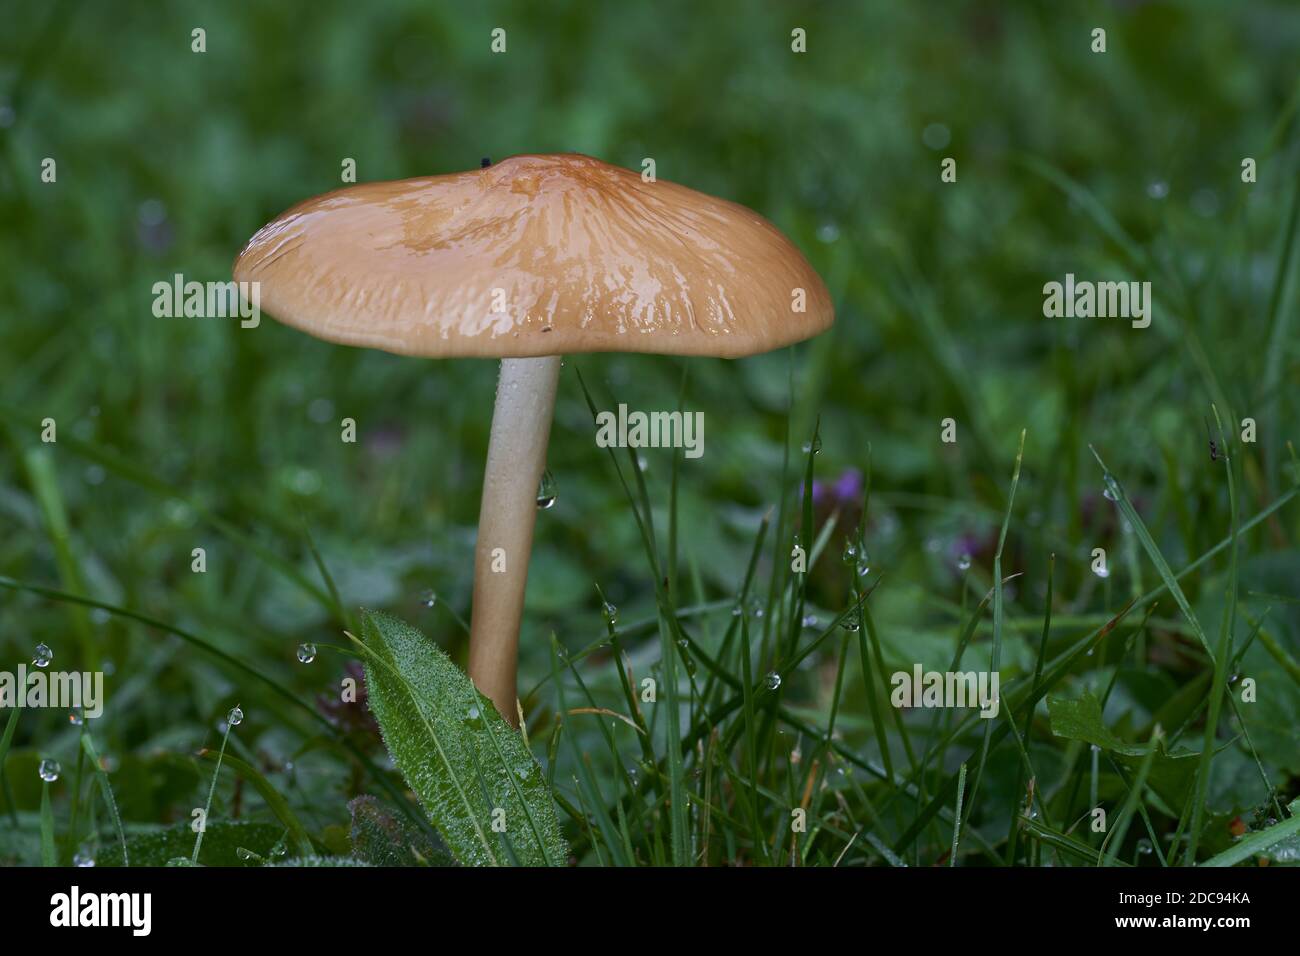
(516, 460)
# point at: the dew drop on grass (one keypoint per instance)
(43, 655)
(306, 653)
(75, 718)
(773, 680)
(850, 554)
(49, 770)
(83, 857)
(610, 613)
(1144, 847)
(684, 648)
(810, 620)
(851, 623)
(546, 493)
(737, 610)
(813, 447)
(1101, 572)
(429, 598)
(1108, 494)
(963, 563)
(474, 716)
(235, 717)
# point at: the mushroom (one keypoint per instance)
(525, 261)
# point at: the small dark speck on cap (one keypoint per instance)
(485, 162)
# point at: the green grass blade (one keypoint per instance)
(48, 853)
(212, 789)
(1115, 838)
(45, 487)
(340, 612)
(1120, 497)
(956, 816)
(106, 791)
(10, 726)
(1219, 683)
(588, 785)
(995, 654)
(1279, 319)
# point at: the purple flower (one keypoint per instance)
(844, 493)
(848, 487)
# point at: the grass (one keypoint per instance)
(686, 689)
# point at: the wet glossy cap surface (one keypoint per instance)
(537, 255)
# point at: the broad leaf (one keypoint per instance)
(1080, 719)
(477, 780)
(222, 841)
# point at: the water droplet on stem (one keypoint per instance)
(546, 493)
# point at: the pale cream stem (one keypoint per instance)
(516, 461)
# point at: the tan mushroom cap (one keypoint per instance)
(584, 257)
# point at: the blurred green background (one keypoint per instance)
(1122, 165)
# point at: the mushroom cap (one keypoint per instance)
(537, 255)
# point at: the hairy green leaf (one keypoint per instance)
(222, 841)
(474, 775)
(321, 861)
